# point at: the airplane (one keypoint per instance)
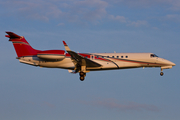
(83, 63)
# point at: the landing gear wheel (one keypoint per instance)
(81, 73)
(161, 73)
(82, 78)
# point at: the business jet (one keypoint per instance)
(83, 63)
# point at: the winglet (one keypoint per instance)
(66, 46)
(64, 43)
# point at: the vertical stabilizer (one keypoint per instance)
(21, 46)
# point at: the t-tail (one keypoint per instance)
(21, 46)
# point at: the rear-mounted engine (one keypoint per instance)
(51, 54)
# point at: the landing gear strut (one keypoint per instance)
(161, 73)
(82, 76)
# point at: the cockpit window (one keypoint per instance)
(153, 55)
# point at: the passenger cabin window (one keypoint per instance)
(107, 56)
(112, 56)
(117, 56)
(153, 55)
(121, 56)
(126, 56)
(92, 57)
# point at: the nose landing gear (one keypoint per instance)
(161, 73)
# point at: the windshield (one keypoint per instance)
(153, 55)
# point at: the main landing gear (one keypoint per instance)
(82, 76)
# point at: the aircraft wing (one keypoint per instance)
(80, 60)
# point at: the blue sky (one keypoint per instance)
(29, 92)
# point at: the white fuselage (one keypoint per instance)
(83, 62)
(107, 60)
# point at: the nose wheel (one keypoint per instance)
(161, 73)
(82, 76)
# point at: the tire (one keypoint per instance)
(82, 78)
(81, 73)
(161, 73)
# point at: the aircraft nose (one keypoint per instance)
(171, 63)
(167, 62)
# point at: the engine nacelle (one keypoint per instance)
(51, 54)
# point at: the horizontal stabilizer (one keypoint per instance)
(12, 35)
